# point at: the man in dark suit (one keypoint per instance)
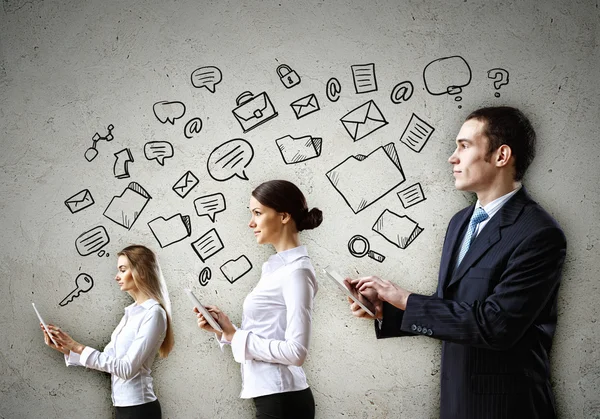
(495, 305)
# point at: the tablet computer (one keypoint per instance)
(44, 324)
(209, 318)
(353, 293)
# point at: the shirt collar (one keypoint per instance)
(283, 258)
(493, 207)
(145, 305)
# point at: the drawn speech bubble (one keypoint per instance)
(207, 77)
(230, 159)
(159, 151)
(168, 111)
(92, 241)
(210, 205)
(447, 75)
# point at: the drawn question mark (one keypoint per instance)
(500, 77)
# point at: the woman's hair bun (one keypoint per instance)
(311, 219)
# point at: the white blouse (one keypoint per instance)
(129, 354)
(273, 342)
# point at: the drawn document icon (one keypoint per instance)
(296, 150)
(171, 230)
(362, 180)
(364, 78)
(411, 195)
(416, 133)
(399, 230)
(363, 120)
(125, 209)
(207, 245)
(253, 111)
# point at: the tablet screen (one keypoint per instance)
(349, 291)
(209, 318)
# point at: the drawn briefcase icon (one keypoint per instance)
(253, 111)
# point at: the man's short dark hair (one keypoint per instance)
(507, 125)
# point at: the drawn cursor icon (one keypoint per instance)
(121, 166)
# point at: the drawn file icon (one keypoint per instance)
(296, 150)
(171, 230)
(364, 78)
(411, 195)
(125, 209)
(207, 245)
(235, 269)
(416, 133)
(399, 230)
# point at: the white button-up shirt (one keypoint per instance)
(273, 341)
(129, 354)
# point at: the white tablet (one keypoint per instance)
(209, 318)
(44, 324)
(354, 294)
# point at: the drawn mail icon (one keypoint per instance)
(185, 184)
(125, 209)
(171, 230)
(296, 150)
(81, 200)
(305, 106)
(253, 111)
(362, 180)
(364, 120)
(399, 230)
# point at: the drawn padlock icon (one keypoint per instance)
(288, 77)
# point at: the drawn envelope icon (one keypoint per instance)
(125, 209)
(296, 150)
(185, 184)
(79, 201)
(171, 230)
(364, 120)
(305, 106)
(362, 180)
(399, 230)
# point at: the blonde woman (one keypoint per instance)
(144, 330)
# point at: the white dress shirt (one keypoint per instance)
(273, 341)
(129, 354)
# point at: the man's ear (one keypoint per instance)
(503, 156)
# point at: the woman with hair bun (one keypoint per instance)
(144, 330)
(272, 342)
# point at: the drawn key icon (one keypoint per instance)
(83, 283)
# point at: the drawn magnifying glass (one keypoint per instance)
(359, 246)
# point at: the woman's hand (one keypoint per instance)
(51, 344)
(65, 342)
(221, 318)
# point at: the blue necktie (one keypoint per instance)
(479, 215)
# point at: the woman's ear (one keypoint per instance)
(285, 217)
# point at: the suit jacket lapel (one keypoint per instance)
(446, 264)
(491, 233)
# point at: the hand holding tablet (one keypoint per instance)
(209, 318)
(44, 324)
(349, 291)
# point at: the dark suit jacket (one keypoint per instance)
(496, 314)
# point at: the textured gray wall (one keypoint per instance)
(68, 69)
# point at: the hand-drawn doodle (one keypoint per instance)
(207, 77)
(416, 133)
(80, 201)
(252, 111)
(208, 245)
(92, 152)
(363, 180)
(500, 77)
(402, 92)
(230, 159)
(204, 276)
(296, 150)
(447, 75)
(399, 230)
(288, 77)
(125, 209)
(364, 78)
(158, 150)
(210, 205)
(364, 120)
(193, 126)
(411, 195)
(83, 283)
(92, 241)
(363, 248)
(171, 230)
(166, 111)
(333, 89)
(185, 184)
(121, 166)
(305, 106)
(236, 268)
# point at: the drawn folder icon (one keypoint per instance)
(399, 230)
(362, 180)
(171, 230)
(125, 209)
(296, 150)
(363, 120)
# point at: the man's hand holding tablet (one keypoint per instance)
(364, 304)
(202, 310)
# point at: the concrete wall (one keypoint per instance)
(69, 69)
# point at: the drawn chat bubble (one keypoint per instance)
(210, 205)
(207, 77)
(92, 241)
(447, 75)
(230, 159)
(158, 150)
(166, 111)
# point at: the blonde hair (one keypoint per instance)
(148, 278)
